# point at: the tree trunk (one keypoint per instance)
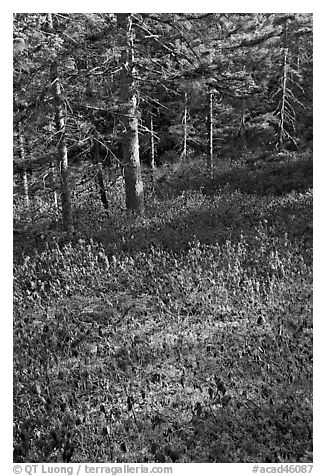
(283, 98)
(153, 166)
(23, 158)
(62, 154)
(100, 181)
(297, 56)
(128, 94)
(283, 89)
(185, 131)
(25, 186)
(210, 147)
(53, 183)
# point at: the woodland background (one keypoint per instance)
(162, 192)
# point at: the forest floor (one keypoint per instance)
(184, 335)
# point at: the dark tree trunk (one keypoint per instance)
(100, 177)
(128, 95)
(100, 181)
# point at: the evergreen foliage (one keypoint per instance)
(178, 329)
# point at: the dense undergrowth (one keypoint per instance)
(182, 336)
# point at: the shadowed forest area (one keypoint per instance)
(162, 181)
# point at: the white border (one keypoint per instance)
(319, 201)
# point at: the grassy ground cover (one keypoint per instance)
(182, 336)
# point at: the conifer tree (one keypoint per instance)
(129, 113)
